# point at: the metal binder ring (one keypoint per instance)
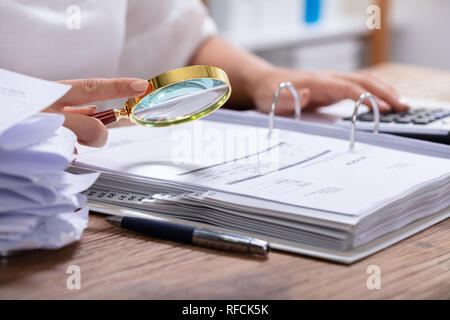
(376, 113)
(290, 86)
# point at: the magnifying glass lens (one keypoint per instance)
(180, 102)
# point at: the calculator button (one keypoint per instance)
(414, 111)
(387, 118)
(400, 115)
(432, 117)
(367, 117)
(422, 120)
(440, 115)
(405, 119)
(419, 116)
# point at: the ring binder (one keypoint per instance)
(376, 112)
(273, 203)
(290, 86)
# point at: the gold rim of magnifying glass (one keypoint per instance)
(171, 77)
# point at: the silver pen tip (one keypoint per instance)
(259, 247)
(114, 220)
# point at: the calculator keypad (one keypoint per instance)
(420, 116)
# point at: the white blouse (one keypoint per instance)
(70, 39)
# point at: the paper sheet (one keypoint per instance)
(45, 193)
(313, 171)
(51, 233)
(50, 155)
(69, 205)
(30, 131)
(22, 96)
(13, 201)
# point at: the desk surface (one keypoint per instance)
(116, 264)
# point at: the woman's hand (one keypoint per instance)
(320, 89)
(91, 131)
(254, 81)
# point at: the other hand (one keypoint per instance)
(321, 88)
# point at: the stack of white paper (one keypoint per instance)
(39, 201)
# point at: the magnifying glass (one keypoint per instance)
(175, 97)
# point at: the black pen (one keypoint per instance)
(188, 234)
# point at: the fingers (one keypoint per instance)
(305, 96)
(86, 110)
(340, 89)
(90, 131)
(377, 87)
(285, 104)
(96, 89)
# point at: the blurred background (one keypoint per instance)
(332, 34)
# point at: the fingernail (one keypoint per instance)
(403, 103)
(139, 85)
(384, 107)
(405, 106)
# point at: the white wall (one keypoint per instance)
(421, 28)
(283, 38)
(422, 32)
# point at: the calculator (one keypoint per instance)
(432, 124)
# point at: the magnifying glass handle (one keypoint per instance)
(106, 117)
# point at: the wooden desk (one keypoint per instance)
(116, 264)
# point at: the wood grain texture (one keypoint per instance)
(416, 82)
(116, 264)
